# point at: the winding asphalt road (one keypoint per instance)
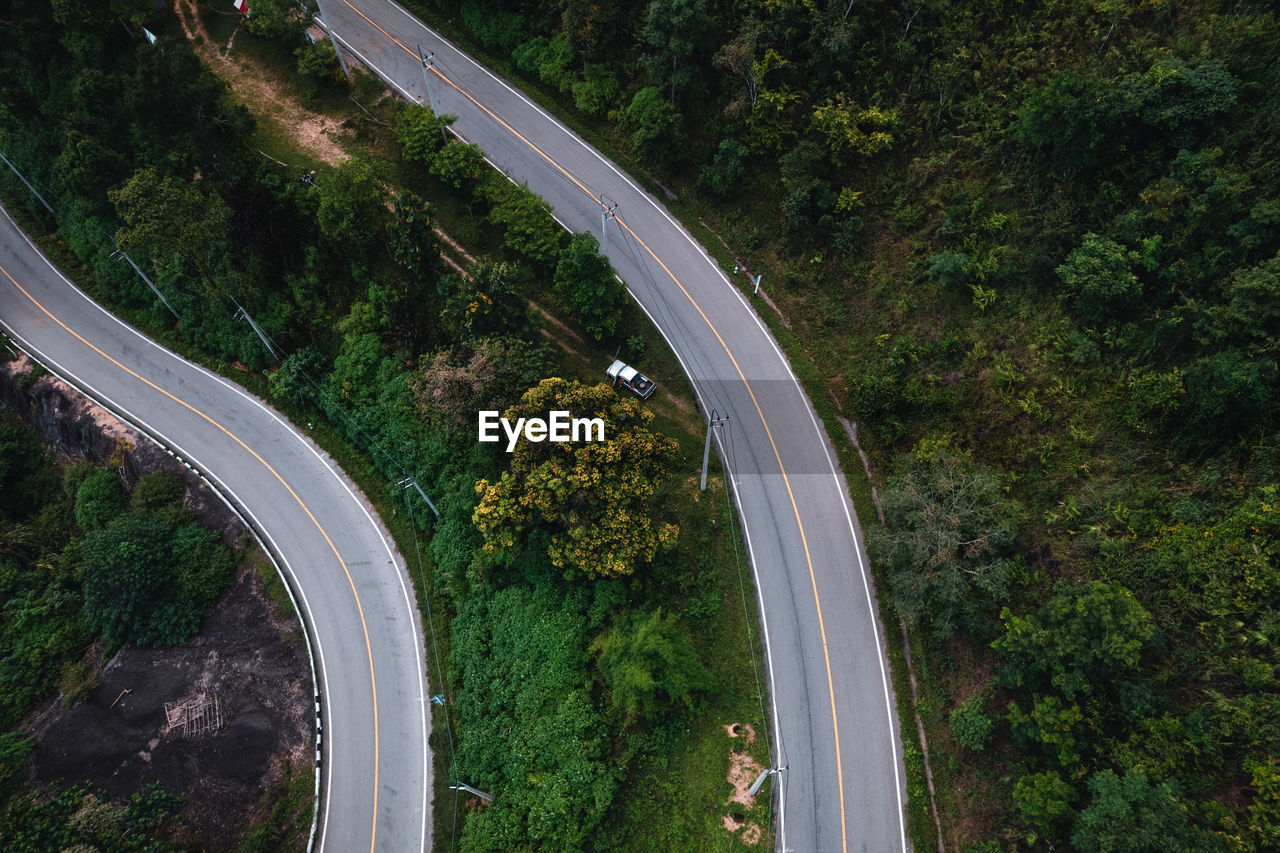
(835, 727)
(351, 588)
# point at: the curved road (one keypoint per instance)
(834, 718)
(356, 601)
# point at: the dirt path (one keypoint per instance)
(261, 92)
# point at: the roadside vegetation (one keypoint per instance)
(591, 621)
(1032, 252)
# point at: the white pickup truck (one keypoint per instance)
(620, 374)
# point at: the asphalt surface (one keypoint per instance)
(834, 725)
(350, 585)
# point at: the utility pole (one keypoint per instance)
(28, 185)
(337, 48)
(409, 481)
(608, 212)
(714, 423)
(429, 65)
(123, 255)
(764, 774)
(242, 314)
(463, 786)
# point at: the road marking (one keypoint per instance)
(281, 480)
(768, 432)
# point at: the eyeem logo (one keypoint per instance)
(559, 427)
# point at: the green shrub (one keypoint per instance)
(421, 133)
(1044, 800)
(99, 499)
(156, 491)
(318, 61)
(724, 172)
(1100, 273)
(971, 727)
(648, 664)
(948, 269)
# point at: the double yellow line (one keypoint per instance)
(364, 627)
(794, 508)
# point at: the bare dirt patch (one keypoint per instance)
(120, 739)
(261, 92)
(743, 770)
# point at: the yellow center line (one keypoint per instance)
(481, 106)
(786, 479)
(267, 465)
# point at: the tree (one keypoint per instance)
(487, 300)
(453, 384)
(281, 20)
(27, 477)
(318, 61)
(728, 167)
(529, 228)
(180, 226)
(656, 137)
(948, 543)
(675, 29)
(1264, 812)
(421, 133)
(648, 663)
(458, 164)
(1085, 640)
(1044, 800)
(351, 211)
(149, 584)
(584, 279)
(739, 57)
(598, 92)
(1129, 814)
(1228, 394)
(413, 241)
(1250, 315)
(597, 501)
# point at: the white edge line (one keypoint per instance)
(304, 441)
(764, 621)
(881, 642)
